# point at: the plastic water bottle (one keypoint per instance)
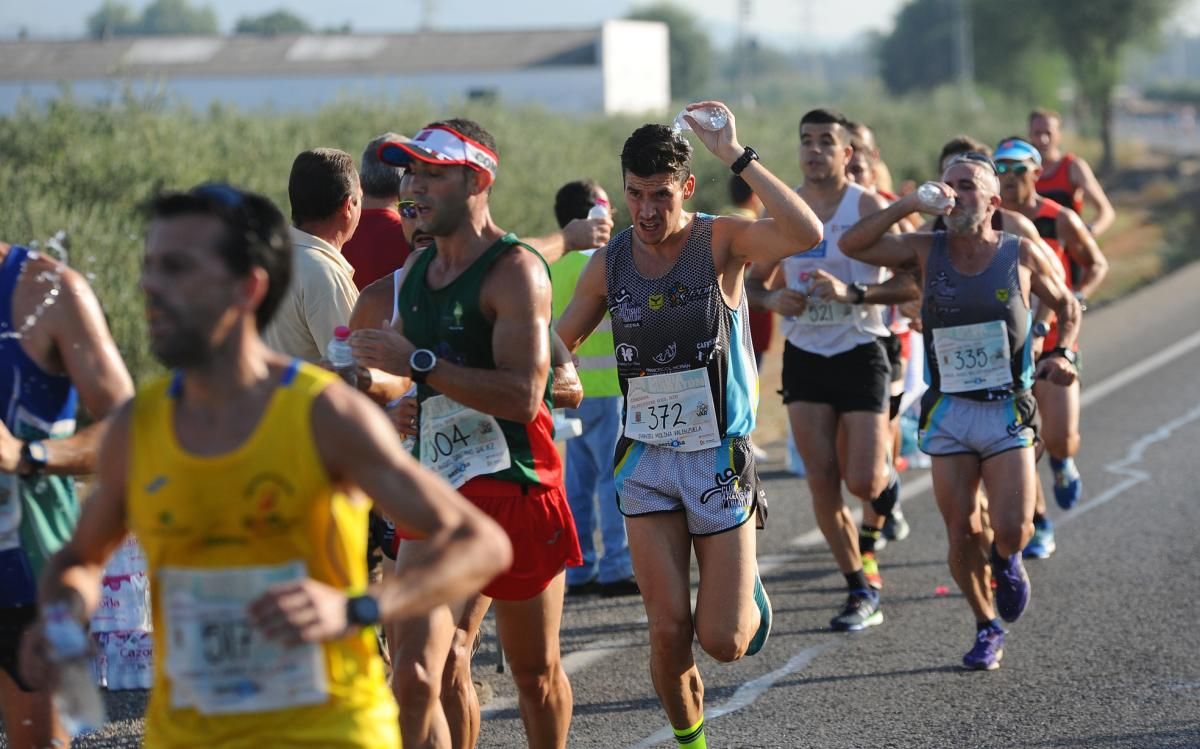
(710, 118)
(931, 196)
(599, 209)
(341, 358)
(77, 698)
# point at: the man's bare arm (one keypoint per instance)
(1053, 293)
(373, 309)
(586, 308)
(1082, 248)
(579, 234)
(869, 240)
(1093, 195)
(566, 391)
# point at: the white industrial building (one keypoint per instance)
(622, 67)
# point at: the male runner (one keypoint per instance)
(978, 415)
(474, 334)
(685, 469)
(835, 370)
(1066, 178)
(1018, 164)
(55, 348)
(243, 474)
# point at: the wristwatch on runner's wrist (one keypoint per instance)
(1040, 329)
(362, 611)
(421, 363)
(33, 458)
(744, 160)
(858, 293)
(1065, 353)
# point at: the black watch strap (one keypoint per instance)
(362, 611)
(744, 160)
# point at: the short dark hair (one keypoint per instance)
(1049, 114)
(380, 180)
(657, 149)
(573, 200)
(739, 191)
(823, 116)
(961, 144)
(319, 184)
(256, 235)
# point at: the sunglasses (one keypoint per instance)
(974, 157)
(1017, 169)
(408, 209)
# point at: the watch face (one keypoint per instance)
(364, 610)
(422, 360)
(37, 451)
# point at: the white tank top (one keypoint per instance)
(832, 328)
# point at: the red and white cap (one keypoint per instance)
(443, 146)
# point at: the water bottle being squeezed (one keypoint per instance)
(77, 697)
(709, 118)
(341, 358)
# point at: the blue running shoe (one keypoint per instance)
(861, 611)
(765, 614)
(1067, 485)
(1041, 545)
(987, 651)
(1012, 588)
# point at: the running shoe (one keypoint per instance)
(1012, 588)
(985, 655)
(1041, 545)
(896, 528)
(861, 611)
(765, 614)
(1067, 485)
(870, 567)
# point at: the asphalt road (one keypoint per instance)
(1107, 655)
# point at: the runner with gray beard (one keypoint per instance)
(978, 417)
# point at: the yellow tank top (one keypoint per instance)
(215, 531)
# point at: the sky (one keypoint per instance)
(789, 24)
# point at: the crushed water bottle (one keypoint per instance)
(341, 358)
(77, 697)
(709, 118)
(931, 196)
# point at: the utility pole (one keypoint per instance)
(427, 10)
(965, 48)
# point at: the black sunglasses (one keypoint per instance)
(1017, 169)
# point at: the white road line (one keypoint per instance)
(749, 692)
(1093, 393)
(1124, 467)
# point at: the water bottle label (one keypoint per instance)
(218, 662)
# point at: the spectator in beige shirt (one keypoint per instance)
(326, 200)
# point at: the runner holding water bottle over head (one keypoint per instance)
(978, 416)
(835, 370)
(56, 351)
(474, 334)
(685, 472)
(244, 474)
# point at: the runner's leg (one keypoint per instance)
(29, 718)
(459, 700)
(814, 427)
(661, 548)
(955, 488)
(529, 631)
(726, 613)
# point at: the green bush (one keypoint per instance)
(87, 168)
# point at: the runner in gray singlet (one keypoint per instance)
(978, 414)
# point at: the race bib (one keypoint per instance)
(973, 357)
(821, 312)
(459, 443)
(217, 661)
(672, 410)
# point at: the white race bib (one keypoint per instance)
(217, 661)
(822, 312)
(672, 410)
(459, 443)
(973, 357)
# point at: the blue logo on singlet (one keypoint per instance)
(818, 251)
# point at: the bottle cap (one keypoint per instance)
(341, 332)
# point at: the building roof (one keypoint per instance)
(297, 54)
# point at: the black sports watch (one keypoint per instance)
(421, 363)
(859, 291)
(1065, 353)
(33, 457)
(1041, 329)
(744, 160)
(362, 611)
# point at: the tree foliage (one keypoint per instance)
(691, 49)
(115, 18)
(277, 22)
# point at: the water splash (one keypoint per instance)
(58, 245)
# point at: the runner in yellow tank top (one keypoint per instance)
(241, 475)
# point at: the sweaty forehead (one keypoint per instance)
(964, 171)
(663, 180)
